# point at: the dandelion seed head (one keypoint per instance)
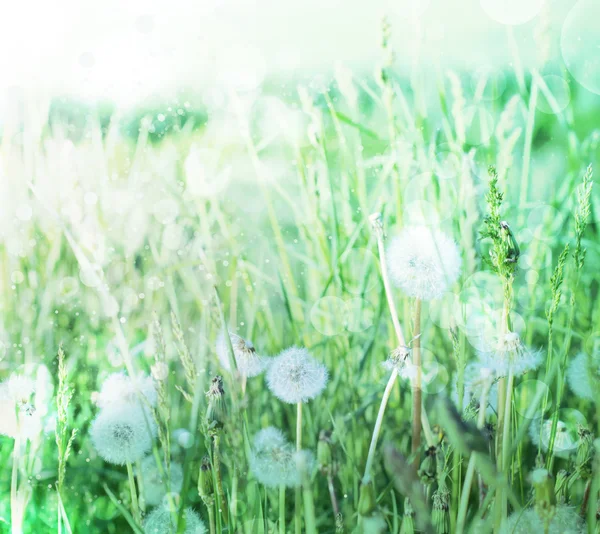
(565, 521)
(119, 388)
(423, 262)
(160, 521)
(295, 376)
(399, 359)
(273, 460)
(565, 441)
(583, 375)
(539, 476)
(509, 354)
(155, 487)
(18, 413)
(121, 434)
(248, 361)
(477, 376)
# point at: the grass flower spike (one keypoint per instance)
(423, 262)
(295, 376)
(249, 363)
(121, 434)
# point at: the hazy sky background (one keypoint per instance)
(127, 49)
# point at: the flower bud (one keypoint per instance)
(366, 501)
(440, 514)
(324, 456)
(427, 469)
(561, 486)
(205, 482)
(408, 522)
(545, 501)
(585, 452)
(216, 410)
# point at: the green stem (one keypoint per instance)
(15, 512)
(377, 429)
(416, 389)
(466, 491)
(282, 509)
(135, 509)
(298, 495)
(220, 492)
(211, 519)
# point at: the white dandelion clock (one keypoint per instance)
(508, 354)
(477, 377)
(295, 376)
(272, 459)
(154, 485)
(583, 375)
(249, 362)
(119, 388)
(18, 414)
(423, 262)
(122, 435)
(566, 520)
(160, 521)
(566, 438)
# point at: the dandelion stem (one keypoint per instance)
(334, 502)
(217, 467)
(371, 456)
(378, 227)
(14, 502)
(417, 392)
(135, 509)
(466, 490)
(282, 509)
(386, 280)
(211, 518)
(298, 496)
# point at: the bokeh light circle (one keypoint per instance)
(580, 44)
(561, 95)
(512, 12)
(328, 315)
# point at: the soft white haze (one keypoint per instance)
(127, 49)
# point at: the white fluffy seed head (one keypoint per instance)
(566, 520)
(19, 415)
(155, 487)
(423, 262)
(272, 460)
(160, 521)
(509, 354)
(249, 362)
(295, 376)
(119, 389)
(583, 375)
(123, 434)
(565, 441)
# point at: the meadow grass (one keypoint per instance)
(134, 254)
